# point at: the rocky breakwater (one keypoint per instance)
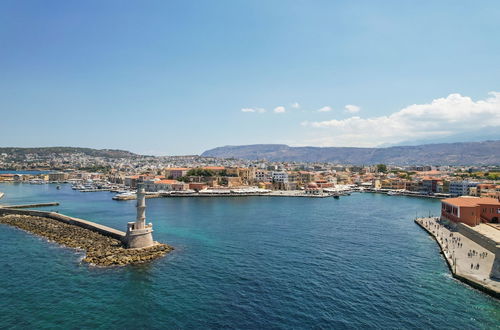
(100, 250)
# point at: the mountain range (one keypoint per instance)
(459, 153)
(108, 153)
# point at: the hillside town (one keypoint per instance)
(203, 174)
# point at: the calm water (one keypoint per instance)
(249, 262)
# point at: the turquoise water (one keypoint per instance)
(246, 262)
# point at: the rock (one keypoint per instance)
(100, 250)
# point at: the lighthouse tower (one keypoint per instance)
(140, 234)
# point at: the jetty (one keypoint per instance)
(104, 246)
(30, 206)
(472, 258)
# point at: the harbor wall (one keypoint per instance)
(473, 283)
(103, 230)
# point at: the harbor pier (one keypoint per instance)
(104, 246)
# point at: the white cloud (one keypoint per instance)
(295, 105)
(280, 109)
(325, 109)
(442, 117)
(258, 110)
(351, 108)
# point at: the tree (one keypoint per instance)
(382, 168)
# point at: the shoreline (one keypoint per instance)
(100, 250)
(485, 285)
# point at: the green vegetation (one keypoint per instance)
(381, 168)
(182, 179)
(478, 175)
(97, 168)
(200, 172)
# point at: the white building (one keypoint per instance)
(280, 177)
(461, 188)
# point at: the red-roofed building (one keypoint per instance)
(471, 210)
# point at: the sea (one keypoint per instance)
(241, 262)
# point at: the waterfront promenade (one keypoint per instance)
(467, 260)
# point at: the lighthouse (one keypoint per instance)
(140, 234)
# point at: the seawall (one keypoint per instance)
(101, 229)
(28, 206)
(458, 264)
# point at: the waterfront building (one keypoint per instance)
(175, 172)
(487, 190)
(471, 210)
(164, 185)
(461, 188)
(324, 184)
(432, 185)
(280, 179)
(305, 177)
(7, 177)
(197, 186)
(262, 176)
(58, 176)
(313, 189)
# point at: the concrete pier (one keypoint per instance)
(28, 206)
(101, 229)
(467, 260)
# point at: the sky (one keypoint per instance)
(180, 77)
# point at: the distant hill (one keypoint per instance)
(461, 153)
(109, 153)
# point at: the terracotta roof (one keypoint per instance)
(471, 201)
(177, 169)
(213, 168)
(167, 181)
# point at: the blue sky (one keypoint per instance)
(172, 77)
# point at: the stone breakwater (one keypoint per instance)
(100, 250)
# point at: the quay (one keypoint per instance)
(471, 257)
(279, 193)
(404, 193)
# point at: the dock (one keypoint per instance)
(468, 261)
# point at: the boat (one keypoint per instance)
(125, 196)
(58, 187)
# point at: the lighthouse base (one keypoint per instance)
(139, 238)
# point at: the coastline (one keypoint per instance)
(457, 265)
